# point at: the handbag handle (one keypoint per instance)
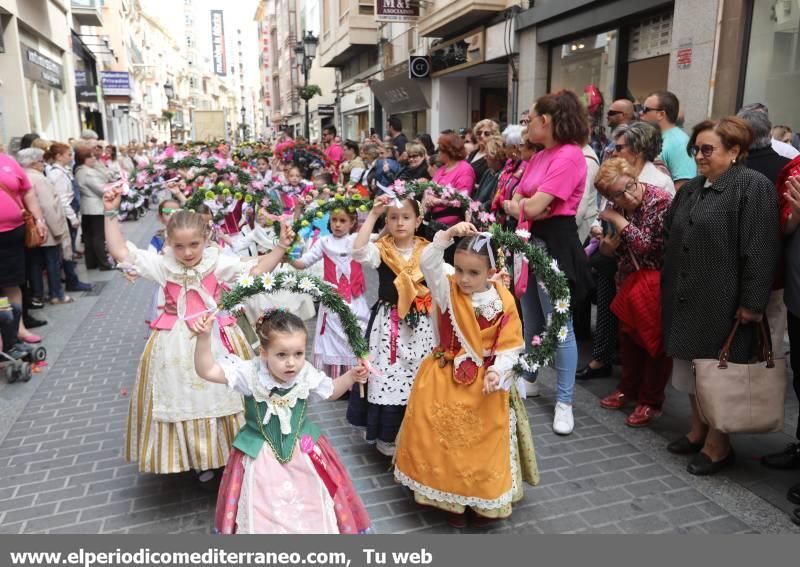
(764, 342)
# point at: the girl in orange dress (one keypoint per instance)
(465, 441)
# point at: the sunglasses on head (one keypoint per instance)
(705, 149)
(168, 211)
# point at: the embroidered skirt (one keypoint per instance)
(264, 496)
(164, 447)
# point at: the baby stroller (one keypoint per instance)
(17, 359)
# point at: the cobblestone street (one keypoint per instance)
(61, 440)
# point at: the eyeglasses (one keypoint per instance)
(525, 121)
(412, 156)
(619, 147)
(705, 149)
(647, 109)
(611, 113)
(629, 187)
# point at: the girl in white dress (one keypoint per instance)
(331, 353)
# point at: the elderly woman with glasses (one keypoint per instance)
(483, 130)
(722, 253)
(636, 211)
(48, 255)
(639, 143)
(454, 171)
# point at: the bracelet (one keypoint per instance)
(282, 246)
(111, 214)
(40, 221)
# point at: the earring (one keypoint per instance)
(733, 161)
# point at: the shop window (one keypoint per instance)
(773, 60)
(586, 66)
(648, 57)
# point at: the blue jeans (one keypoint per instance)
(45, 258)
(535, 308)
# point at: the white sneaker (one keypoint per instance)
(563, 422)
(384, 448)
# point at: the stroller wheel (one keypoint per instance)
(11, 372)
(26, 372)
(39, 354)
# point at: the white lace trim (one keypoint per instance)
(468, 352)
(490, 310)
(449, 497)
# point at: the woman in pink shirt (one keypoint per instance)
(15, 190)
(455, 172)
(549, 193)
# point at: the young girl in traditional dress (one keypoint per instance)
(177, 422)
(465, 441)
(400, 331)
(346, 275)
(283, 475)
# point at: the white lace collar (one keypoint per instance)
(281, 405)
(269, 383)
(487, 303)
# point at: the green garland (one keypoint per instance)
(300, 282)
(201, 167)
(319, 207)
(555, 284)
(255, 196)
(480, 218)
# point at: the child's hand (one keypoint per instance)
(112, 198)
(360, 374)
(461, 229)
(491, 382)
(202, 325)
(503, 277)
(380, 205)
(287, 235)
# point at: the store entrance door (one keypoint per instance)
(494, 105)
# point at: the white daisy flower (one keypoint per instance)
(307, 285)
(561, 306)
(535, 367)
(522, 233)
(268, 281)
(562, 334)
(246, 280)
(554, 266)
(524, 364)
(289, 281)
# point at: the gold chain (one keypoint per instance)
(266, 437)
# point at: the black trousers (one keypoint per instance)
(794, 356)
(94, 240)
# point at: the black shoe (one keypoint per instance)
(702, 465)
(795, 516)
(588, 372)
(789, 458)
(793, 495)
(79, 286)
(32, 322)
(683, 446)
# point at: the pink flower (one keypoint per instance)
(536, 341)
(141, 178)
(257, 184)
(474, 206)
(219, 166)
(169, 152)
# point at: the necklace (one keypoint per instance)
(293, 434)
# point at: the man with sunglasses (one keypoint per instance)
(661, 109)
(620, 112)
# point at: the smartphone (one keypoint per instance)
(608, 228)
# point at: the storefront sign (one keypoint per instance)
(325, 110)
(458, 53)
(684, 56)
(86, 94)
(218, 43)
(396, 10)
(80, 78)
(41, 69)
(400, 94)
(115, 83)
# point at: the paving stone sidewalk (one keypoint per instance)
(61, 469)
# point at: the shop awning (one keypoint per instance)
(400, 94)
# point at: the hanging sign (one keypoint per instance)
(396, 10)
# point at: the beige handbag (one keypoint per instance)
(741, 398)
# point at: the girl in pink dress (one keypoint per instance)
(176, 421)
(283, 475)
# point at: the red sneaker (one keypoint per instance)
(643, 416)
(614, 401)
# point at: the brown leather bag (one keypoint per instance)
(742, 398)
(32, 237)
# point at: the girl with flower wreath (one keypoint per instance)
(400, 329)
(345, 274)
(176, 421)
(283, 476)
(465, 442)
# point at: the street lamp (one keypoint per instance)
(169, 91)
(304, 53)
(243, 110)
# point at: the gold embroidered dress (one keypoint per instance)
(459, 447)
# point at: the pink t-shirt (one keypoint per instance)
(559, 171)
(461, 177)
(14, 179)
(335, 153)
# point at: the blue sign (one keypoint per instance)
(115, 83)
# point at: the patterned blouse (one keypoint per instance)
(644, 236)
